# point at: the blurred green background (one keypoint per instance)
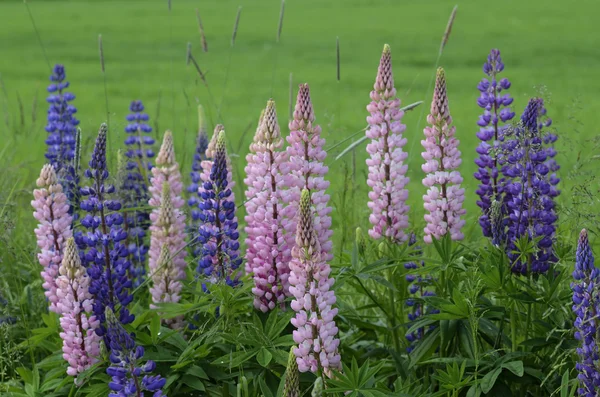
(549, 48)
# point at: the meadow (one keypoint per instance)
(549, 50)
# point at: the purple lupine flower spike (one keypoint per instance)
(311, 286)
(218, 234)
(496, 113)
(444, 197)
(195, 175)
(267, 254)
(62, 130)
(134, 188)
(81, 344)
(305, 170)
(387, 170)
(586, 305)
(130, 378)
(51, 210)
(104, 253)
(531, 208)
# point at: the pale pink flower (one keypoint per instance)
(387, 170)
(444, 198)
(51, 210)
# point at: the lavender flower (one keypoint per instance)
(81, 345)
(194, 193)
(62, 129)
(586, 305)
(134, 188)
(218, 233)
(104, 254)
(444, 197)
(268, 252)
(496, 113)
(531, 208)
(387, 171)
(129, 376)
(51, 210)
(311, 285)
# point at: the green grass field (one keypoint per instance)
(543, 44)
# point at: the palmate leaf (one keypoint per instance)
(357, 380)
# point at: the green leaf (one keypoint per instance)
(516, 367)
(235, 359)
(564, 385)
(193, 382)
(154, 328)
(489, 380)
(425, 347)
(266, 391)
(264, 357)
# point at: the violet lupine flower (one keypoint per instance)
(444, 196)
(167, 252)
(207, 164)
(62, 129)
(310, 285)
(51, 210)
(496, 113)
(305, 170)
(134, 189)
(531, 208)
(81, 344)
(194, 195)
(130, 378)
(418, 288)
(387, 170)
(586, 305)
(218, 234)
(104, 252)
(269, 251)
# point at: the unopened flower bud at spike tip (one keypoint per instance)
(292, 377)
(166, 155)
(47, 176)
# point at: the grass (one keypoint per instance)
(542, 44)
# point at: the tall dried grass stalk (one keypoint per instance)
(201, 29)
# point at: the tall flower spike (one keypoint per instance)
(81, 344)
(129, 377)
(268, 252)
(292, 377)
(444, 197)
(305, 170)
(194, 195)
(62, 129)
(134, 188)
(531, 208)
(104, 253)
(51, 210)
(586, 304)
(387, 171)
(496, 113)
(218, 235)
(167, 253)
(310, 286)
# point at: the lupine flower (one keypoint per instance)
(81, 344)
(305, 170)
(51, 210)
(418, 288)
(194, 195)
(531, 208)
(218, 234)
(387, 171)
(105, 255)
(496, 113)
(292, 377)
(268, 252)
(586, 304)
(129, 376)
(310, 286)
(134, 188)
(444, 196)
(207, 164)
(167, 252)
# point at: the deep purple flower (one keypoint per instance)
(134, 188)
(129, 376)
(104, 253)
(531, 211)
(496, 113)
(586, 304)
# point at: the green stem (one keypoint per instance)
(393, 318)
